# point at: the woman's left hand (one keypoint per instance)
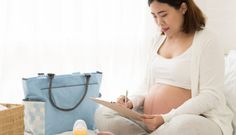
(152, 121)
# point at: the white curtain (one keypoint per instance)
(64, 36)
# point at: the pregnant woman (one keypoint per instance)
(184, 83)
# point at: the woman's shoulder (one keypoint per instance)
(205, 35)
(207, 39)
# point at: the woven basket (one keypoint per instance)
(12, 120)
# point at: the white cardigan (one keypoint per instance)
(207, 82)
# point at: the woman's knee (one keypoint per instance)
(104, 118)
(100, 115)
(104, 112)
(108, 120)
(188, 124)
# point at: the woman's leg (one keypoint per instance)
(189, 125)
(109, 120)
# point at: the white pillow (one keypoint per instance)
(230, 83)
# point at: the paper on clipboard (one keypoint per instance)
(122, 110)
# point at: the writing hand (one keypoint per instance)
(121, 100)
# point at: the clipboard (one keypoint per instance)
(121, 110)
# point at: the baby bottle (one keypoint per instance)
(80, 128)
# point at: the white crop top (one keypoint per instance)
(174, 71)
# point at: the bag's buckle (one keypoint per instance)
(87, 75)
(51, 75)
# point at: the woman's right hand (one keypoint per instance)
(121, 100)
(152, 121)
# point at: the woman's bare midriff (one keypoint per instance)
(162, 98)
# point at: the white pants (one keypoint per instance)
(108, 120)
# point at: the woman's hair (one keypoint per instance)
(194, 19)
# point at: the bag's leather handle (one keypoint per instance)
(51, 76)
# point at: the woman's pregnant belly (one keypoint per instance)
(162, 98)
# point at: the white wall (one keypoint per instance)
(221, 19)
(65, 36)
(20, 30)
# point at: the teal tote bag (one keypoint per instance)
(65, 98)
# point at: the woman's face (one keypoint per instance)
(169, 19)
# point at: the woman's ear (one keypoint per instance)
(183, 8)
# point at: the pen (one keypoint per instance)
(126, 97)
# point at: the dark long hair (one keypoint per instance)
(194, 20)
